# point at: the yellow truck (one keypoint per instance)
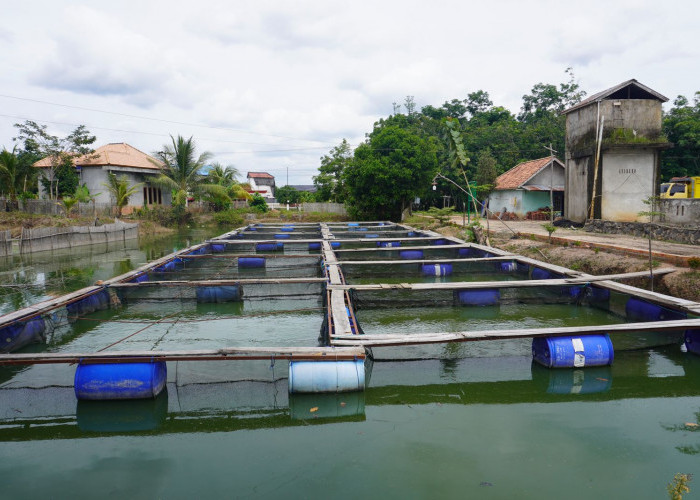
(681, 187)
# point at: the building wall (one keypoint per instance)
(532, 200)
(266, 185)
(641, 115)
(627, 180)
(681, 211)
(542, 178)
(508, 200)
(576, 198)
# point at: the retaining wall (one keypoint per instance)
(332, 208)
(689, 235)
(5, 243)
(53, 238)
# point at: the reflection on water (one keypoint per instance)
(30, 278)
(445, 426)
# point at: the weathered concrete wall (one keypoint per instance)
(627, 180)
(641, 115)
(5, 243)
(508, 200)
(533, 200)
(53, 238)
(689, 236)
(542, 178)
(331, 208)
(576, 192)
(681, 211)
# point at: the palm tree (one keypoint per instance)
(181, 171)
(119, 188)
(68, 203)
(83, 195)
(9, 172)
(224, 176)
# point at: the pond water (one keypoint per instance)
(480, 427)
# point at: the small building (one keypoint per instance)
(262, 183)
(613, 145)
(122, 160)
(526, 187)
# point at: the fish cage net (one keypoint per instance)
(211, 267)
(401, 253)
(438, 271)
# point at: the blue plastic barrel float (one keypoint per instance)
(108, 381)
(362, 229)
(335, 244)
(89, 304)
(252, 228)
(353, 224)
(638, 310)
(371, 235)
(573, 352)
(441, 241)
(326, 376)
(388, 244)
(471, 253)
(251, 262)
(140, 278)
(281, 236)
(692, 341)
(287, 229)
(543, 274)
(217, 247)
(477, 297)
(411, 254)
(267, 247)
(508, 267)
(219, 294)
(593, 294)
(436, 269)
(22, 333)
(315, 246)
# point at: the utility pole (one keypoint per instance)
(552, 152)
(287, 175)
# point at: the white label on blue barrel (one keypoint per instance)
(579, 356)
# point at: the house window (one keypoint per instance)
(152, 196)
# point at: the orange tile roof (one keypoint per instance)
(118, 154)
(263, 175)
(520, 174)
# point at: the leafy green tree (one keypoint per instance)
(258, 203)
(478, 102)
(681, 125)
(223, 176)
(9, 173)
(120, 190)
(388, 171)
(330, 181)
(83, 195)
(287, 193)
(486, 173)
(181, 172)
(68, 203)
(37, 143)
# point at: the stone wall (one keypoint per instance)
(688, 235)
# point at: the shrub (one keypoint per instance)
(694, 262)
(233, 218)
(258, 203)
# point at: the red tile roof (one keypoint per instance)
(261, 175)
(117, 154)
(520, 174)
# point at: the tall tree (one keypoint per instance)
(682, 128)
(330, 181)
(37, 143)
(9, 173)
(388, 171)
(181, 171)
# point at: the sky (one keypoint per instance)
(273, 85)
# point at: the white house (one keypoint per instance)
(121, 159)
(262, 183)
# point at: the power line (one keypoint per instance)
(168, 135)
(159, 119)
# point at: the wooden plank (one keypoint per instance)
(423, 261)
(369, 340)
(221, 282)
(461, 285)
(47, 305)
(223, 354)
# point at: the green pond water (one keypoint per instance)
(479, 427)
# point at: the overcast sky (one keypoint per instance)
(273, 85)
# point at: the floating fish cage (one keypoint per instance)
(305, 306)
